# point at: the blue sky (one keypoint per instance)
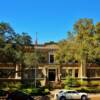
(50, 18)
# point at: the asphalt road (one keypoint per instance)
(91, 96)
(50, 97)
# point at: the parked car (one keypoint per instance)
(71, 95)
(18, 95)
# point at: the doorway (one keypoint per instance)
(52, 74)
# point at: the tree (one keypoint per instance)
(82, 46)
(6, 32)
(31, 61)
(85, 31)
(12, 46)
(7, 35)
(23, 39)
(28, 59)
(97, 42)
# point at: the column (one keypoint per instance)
(73, 72)
(16, 72)
(56, 77)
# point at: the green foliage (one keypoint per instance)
(82, 83)
(40, 91)
(85, 89)
(83, 43)
(14, 86)
(30, 59)
(89, 90)
(94, 83)
(27, 91)
(46, 90)
(11, 86)
(7, 33)
(71, 82)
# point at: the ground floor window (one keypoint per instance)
(19, 71)
(63, 73)
(33, 73)
(91, 73)
(39, 73)
(29, 74)
(97, 72)
(76, 72)
(70, 72)
(7, 73)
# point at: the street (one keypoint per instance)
(91, 96)
(50, 97)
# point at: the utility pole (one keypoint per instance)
(35, 75)
(36, 43)
(36, 39)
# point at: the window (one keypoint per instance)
(69, 92)
(63, 73)
(70, 72)
(29, 74)
(51, 58)
(76, 72)
(91, 73)
(74, 92)
(7, 73)
(33, 73)
(19, 71)
(39, 73)
(98, 72)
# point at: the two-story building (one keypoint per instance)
(47, 69)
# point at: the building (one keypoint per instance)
(47, 70)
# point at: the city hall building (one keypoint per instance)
(47, 69)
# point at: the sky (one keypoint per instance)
(51, 19)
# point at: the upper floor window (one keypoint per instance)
(51, 58)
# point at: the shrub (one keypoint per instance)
(82, 83)
(11, 86)
(89, 90)
(46, 90)
(94, 83)
(27, 91)
(67, 87)
(14, 86)
(40, 91)
(71, 82)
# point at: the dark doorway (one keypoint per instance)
(52, 74)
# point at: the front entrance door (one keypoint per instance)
(52, 74)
